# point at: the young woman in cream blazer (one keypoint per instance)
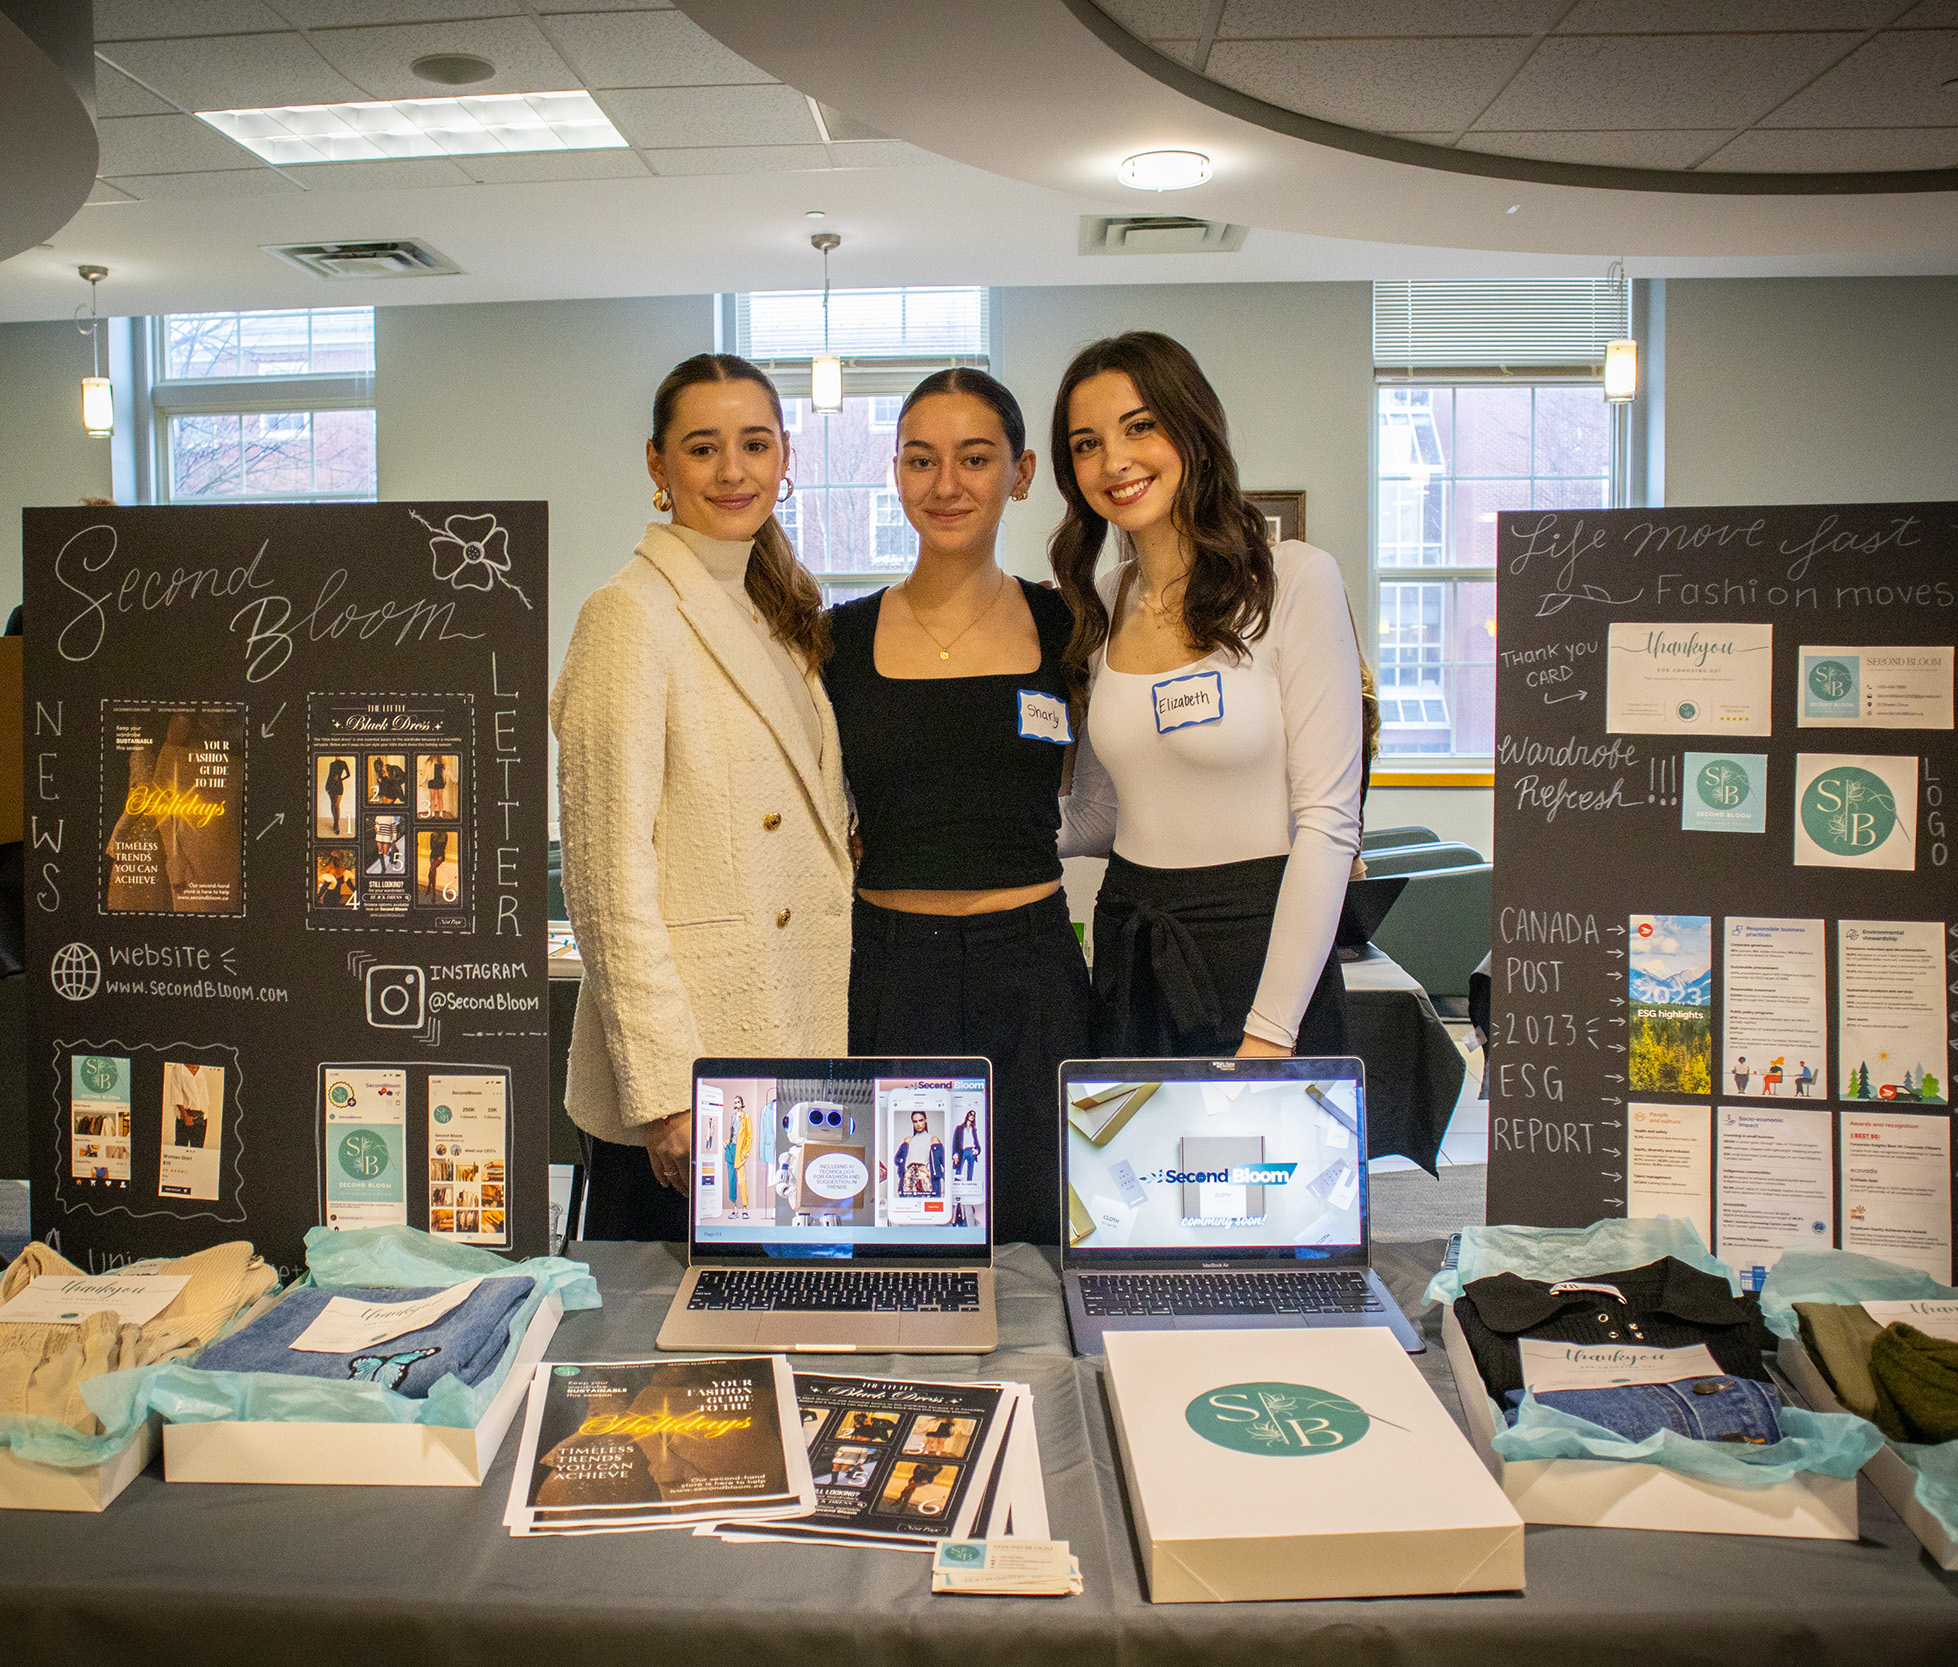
(700, 796)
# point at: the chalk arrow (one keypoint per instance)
(1614, 931)
(1611, 1151)
(1609, 1123)
(265, 728)
(1558, 700)
(1609, 1175)
(277, 818)
(1616, 954)
(1616, 1047)
(1609, 1100)
(1613, 1201)
(1610, 1078)
(1617, 1001)
(226, 958)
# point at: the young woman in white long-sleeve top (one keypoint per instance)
(1220, 763)
(700, 791)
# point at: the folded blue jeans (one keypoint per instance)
(468, 1341)
(1716, 1408)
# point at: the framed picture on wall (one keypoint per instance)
(1284, 513)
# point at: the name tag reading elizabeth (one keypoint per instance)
(1197, 698)
(1044, 718)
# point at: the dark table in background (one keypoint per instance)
(348, 1576)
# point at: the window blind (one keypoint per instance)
(863, 323)
(1540, 323)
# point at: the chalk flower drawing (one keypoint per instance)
(471, 552)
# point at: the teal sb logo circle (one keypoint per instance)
(564, 1371)
(1688, 710)
(1723, 785)
(442, 1114)
(1277, 1420)
(364, 1155)
(964, 1552)
(1849, 812)
(1830, 680)
(99, 1075)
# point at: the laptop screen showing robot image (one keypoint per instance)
(828, 1158)
(1182, 1159)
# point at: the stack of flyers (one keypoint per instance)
(907, 1464)
(611, 1446)
(1006, 1568)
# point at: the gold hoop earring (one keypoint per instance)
(781, 496)
(662, 500)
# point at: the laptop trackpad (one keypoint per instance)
(869, 1333)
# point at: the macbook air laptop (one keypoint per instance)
(839, 1206)
(1218, 1193)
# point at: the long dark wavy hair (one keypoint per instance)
(1228, 595)
(778, 584)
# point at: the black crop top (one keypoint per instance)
(951, 795)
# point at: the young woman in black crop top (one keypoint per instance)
(951, 704)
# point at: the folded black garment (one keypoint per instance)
(1663, 1305)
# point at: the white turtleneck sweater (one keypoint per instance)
(727, 561)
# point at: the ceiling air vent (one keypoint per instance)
(1157, 234)
(397, 257)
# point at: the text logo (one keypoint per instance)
(1277, 1420)
(1848, 812)
(1723, 785)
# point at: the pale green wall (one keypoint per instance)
(45, 458)
(1811, 390)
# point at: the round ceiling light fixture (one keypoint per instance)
(1164, 170)
(452, 69)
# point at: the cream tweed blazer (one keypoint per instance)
(705, 864)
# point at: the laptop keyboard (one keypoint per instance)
(836, 1291)
(1314, 1291)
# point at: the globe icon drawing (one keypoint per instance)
(76, 972)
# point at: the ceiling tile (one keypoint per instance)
(1379, 84)
(1184, 52)
(229, 182)
(117, 95)
(165, 145)
(377, 60)
(1673, 148)
(695, 116)
(1148, 19)
(235, 72)
(552, 8)
(328, 14)
(1318, 19)
(533, 167)
(408, 173)
(1624, 81)
(1932, 14)
(885, 153)
(132, 20)
(1834, 150)
(740, 159)
(106, 194)
(1893, 81)
(649, 49)
(1687, 17)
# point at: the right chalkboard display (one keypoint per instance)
(1725, 969)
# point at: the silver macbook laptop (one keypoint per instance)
(1207, 1193)
(839, 1206)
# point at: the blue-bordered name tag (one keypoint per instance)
(1044, 718)
(1196, 698)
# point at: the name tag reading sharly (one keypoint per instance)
(1195, 698)
(1044, 718)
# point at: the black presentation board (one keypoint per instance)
(286, 830)
(1724, 891)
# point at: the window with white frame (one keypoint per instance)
(263, 407)
(1490, 398)
(846, 519)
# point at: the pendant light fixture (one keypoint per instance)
(826, 369)
(98, 395)
(1621, 356)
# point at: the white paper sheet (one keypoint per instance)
(1875, 688)
(1551, 1366)
(1855, 810)
(1777, 1185)
(1890, 978)
(1677, 679)
(1896, 1188)
(1776, 1023)
(1669, 1164)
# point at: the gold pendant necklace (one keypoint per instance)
(945, 648)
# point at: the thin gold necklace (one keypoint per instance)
(945, 648)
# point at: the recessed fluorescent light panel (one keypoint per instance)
(295, 134)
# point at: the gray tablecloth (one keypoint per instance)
(197, 1574)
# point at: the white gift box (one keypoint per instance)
(26, 1485)
(1613, 1493)
(1894, 1479)
(360, 1455)
(1300, 1464)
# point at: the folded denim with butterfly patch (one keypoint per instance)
(467, 1341)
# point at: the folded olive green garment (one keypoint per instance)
(1919, 1374)
(1839, 1337)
